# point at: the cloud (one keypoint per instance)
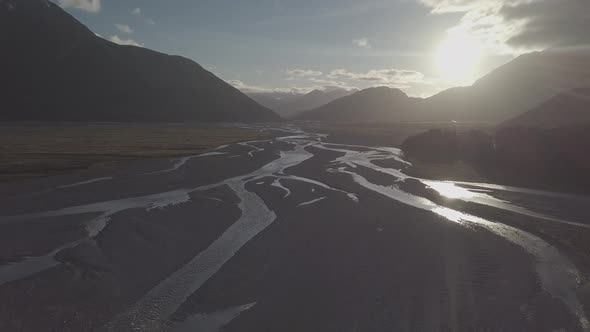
(517, 26)
(362, 42)
(316, 80)
(451, 6)
(389, 77)
(482, 20)
(300, 73)
(320, 85)
(124, 28)
(137, 12)
(246, 88)
(92, 6)
(115, 39)
(327, 83)
(550, 23)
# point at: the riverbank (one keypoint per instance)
(231, 229)
(554, 160)
(36, 149)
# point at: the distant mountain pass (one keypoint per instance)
(275, 100)
(59, 70)
(290, 104)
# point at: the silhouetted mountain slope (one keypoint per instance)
(566, 109)
(515, 87)
(54, 68)
(504, 93)
(373, 104)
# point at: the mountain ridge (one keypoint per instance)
(571, 108)
(375, 102)
(504, 93)
(62, 71)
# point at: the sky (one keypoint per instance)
(419, 46)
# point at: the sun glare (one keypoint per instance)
(458, 57)
(450, 190)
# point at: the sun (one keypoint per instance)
(458, 57)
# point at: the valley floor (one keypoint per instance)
(294, 233)
(41, 149)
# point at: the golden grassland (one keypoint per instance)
(31, 150)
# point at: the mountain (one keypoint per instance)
(514, 88)
(566, 109)
(504, 93)
(290, 104)
(369, 105)
(275, 100)
(314, 99)
(59, 70)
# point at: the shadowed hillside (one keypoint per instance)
(373, 104)
(60, 70)
(566, 109)
(555, 158)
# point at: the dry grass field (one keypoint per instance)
(31, 150)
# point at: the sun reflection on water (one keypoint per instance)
(450, 190)
(449, 214)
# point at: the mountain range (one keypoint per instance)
(56, 69)
(505, 93)
(372, 104)
(291, 104)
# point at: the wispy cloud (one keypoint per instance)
(389, 77)
(550, 23)
(451, 6)
(139, 13)
(92, 6)
(315, 84)
(124, 28)
(516, 26)
(121, 41)
(481, 19)
(362, 42)
(247, 88)
(300, 73)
